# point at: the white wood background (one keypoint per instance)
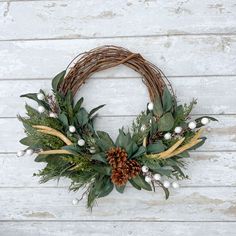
(192, 41)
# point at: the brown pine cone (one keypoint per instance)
(116, 157)
(133, 168)
(119, 176)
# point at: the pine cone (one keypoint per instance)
(133, 168)
(119, 176)
(116, 157)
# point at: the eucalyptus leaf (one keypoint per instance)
(100, 157)
(94, 110)
(123, 139)
(131, 148)
(199, 144)
(82, 117)
(63, 118)
(68, 103)
(106, 188)
(140, 181)
(78, 105)
(72, 149)
(120, 189)
(41, 158)
(33, 96)
(27, 141)
(158, 109)
(166, 122)
(56, 81)
(134, 184)
(156, 147)
(167, 100)
(162, 171)
(102, 169)
(105, 136)
(183, 154)
(104, 141)
(140, 152)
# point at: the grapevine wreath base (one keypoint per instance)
(61, 132)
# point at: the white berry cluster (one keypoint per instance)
(191, 125)
(41, 109)
(150, 177)
(41, 97)
(28, 152)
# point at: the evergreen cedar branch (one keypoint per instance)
(64, 158)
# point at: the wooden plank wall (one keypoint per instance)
(193, 42)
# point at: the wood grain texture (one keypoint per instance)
(175, 55)
(185, 204)
(117, 228)
(50, 19)
(204, 169)
(221, 135)
(208, 91)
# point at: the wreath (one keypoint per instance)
(61, 132)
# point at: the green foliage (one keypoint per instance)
(158, 109)
(140, 152)
(104, 141)
(94, 110)
(171, 167)
(99, 157)
(120, 189)
(57, 80)
(143, 120)
(91, 170)
(83, 117)
(78, 105)
(167, 100)
(101, 187)
(33, 96)
(141, 183)
(189, 108)
(156, 147)
(36, 139)
(166, 122)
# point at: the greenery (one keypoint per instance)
(87, 166)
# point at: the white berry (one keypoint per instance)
(92, 150)
(157, 177)
(75, 201)
(41, 109)
(148, 179)
(144, 169)
(150, 106)
(204, 121)
(143, 128)
(81, 142)
(192, 125)
(178, 130)
(166, 184)
(167, 136)
(72, 128)
(53, 115)
(29, 152)
(20, 153)
(175, 185)
(40, 96)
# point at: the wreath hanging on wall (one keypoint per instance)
(61, 132)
